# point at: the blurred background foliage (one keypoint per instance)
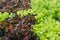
(47, 25)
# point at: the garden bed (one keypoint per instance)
(47, 24)
(14, 26)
